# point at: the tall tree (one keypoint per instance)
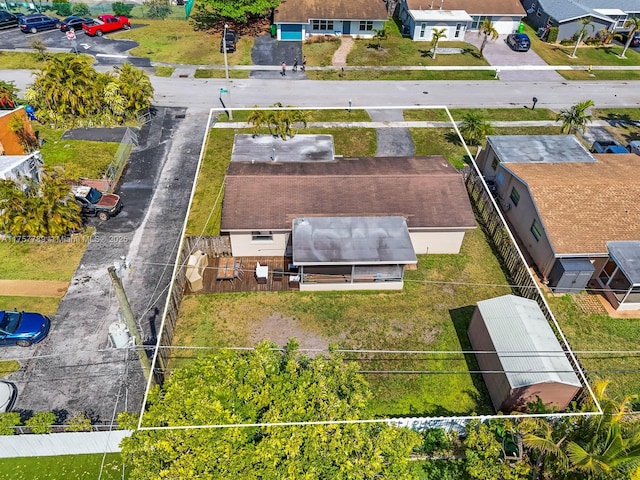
(211, 13)
(135, 87)
(576, 117)
(474, 128)
(266, 385)
(438, 34)
(634, 25)
(585, 22)
(487, 29)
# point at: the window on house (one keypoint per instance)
(262, 236)
(495, 162)
(476, 20)
(608, 271)
(366, 26)
(321, 24)
(536, 230)
(539, 12)
(515, 196)
(423, 29)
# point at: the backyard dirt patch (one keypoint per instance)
(33, 288)
(279, 329)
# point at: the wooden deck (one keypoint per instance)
(246, 281)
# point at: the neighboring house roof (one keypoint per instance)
(568, 10)
(628, 6)
(584, 205)
(528, 350)
(472, 7)
(427, 191)
(539, 149)
(301, 11)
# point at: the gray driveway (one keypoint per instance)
(271, 52)
(76, 368)
(392, 142)
(498, 53)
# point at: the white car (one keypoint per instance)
(8, 394)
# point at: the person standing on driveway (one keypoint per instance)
(295, 64)
(284, 68)
(304, 63)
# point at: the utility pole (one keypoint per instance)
(226, 69)
(130, 320)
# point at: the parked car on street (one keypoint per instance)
(74, 23)
(519, 42)
(8, 20)
(22, 328)
(96, 203)
(231, 40)
(8, 394)
(105, 24)
(36, 22)
(634, 147)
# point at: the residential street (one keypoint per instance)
(201, 93)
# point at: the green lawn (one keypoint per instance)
(175, 41)
(31, 61)
(218, 73)
(44, 305)
(62, 467)
(429, 314)
(397, 50)
(40, 261)
(600, 75)
(333, 115)
(320, 53)
(337, 74)
(80, 158)
(164, 71)
(556, 54)
(601, 332)
(489, 114)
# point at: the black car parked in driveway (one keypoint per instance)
(35, 22)
(74, 23)
(518, 42)
(231, 39)
(635, 41)
(8, 20)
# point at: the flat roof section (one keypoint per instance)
(627, 257)
(272, 149)
(352, 241)
(539, 149)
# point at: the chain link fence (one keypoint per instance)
(115, 168)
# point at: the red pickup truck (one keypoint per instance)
(105, 24)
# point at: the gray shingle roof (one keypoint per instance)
(567, 10)
(518, 330)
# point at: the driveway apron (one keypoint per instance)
(270, 52)
(498, 53)
(392, 141)
(76, 368)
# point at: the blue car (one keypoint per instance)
(22, 328)
(36, 22)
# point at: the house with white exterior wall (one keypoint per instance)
(456, 17)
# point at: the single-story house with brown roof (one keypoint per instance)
(299, 19)
(345, 216)
(565, 204)
(420, 17)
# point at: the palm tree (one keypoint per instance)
(381, 34)
(585, 22)
(135, 87)
(257, 119)
(474, 128)
(576, 117)
(488, 30)
(634, 24)
(438, 34)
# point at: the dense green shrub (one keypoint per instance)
(81, 9)
(62, 8)
(8, 420)
(41, 422)
(553, 35)
(121, 8)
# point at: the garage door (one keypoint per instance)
(291, 32)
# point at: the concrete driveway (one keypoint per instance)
(498, 53)
(76, 368)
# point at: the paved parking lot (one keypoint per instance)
(106, 50)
